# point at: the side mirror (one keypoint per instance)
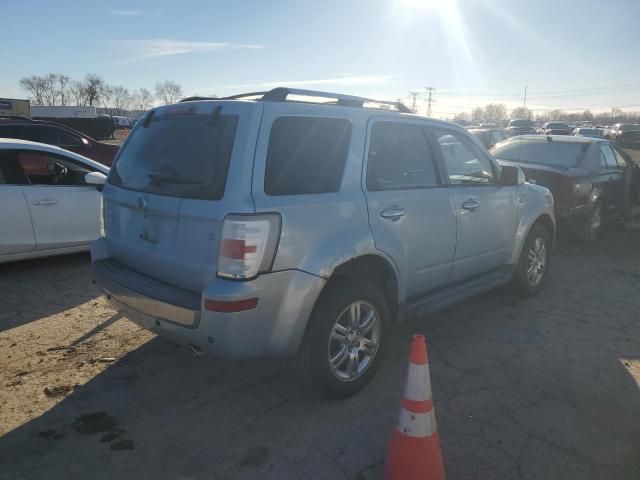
(512, 175)
(95, 178)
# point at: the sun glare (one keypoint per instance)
(420, 4)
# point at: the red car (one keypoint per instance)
(60, 135)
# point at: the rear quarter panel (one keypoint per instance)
(534, 201)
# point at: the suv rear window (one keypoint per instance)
(178, 155)
(306, 155)
(554, 154)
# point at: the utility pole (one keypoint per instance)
(524, 103)
(414, 96)
(430, 100)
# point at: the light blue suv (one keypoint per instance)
(305, 224)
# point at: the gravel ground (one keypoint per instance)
(525, 389)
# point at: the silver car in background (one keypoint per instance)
(305, 224)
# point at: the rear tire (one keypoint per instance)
(340, 351)
(534, 262)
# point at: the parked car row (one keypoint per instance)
(52, 133)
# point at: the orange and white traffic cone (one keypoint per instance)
(414, 450)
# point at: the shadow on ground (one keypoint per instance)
(34, 289)
(530, 389)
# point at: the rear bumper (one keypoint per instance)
(273, 328)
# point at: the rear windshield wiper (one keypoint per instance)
(158, 178)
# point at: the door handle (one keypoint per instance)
(393, 213)
(470, 205)
(44, 201)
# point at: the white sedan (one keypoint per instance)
(49, 200)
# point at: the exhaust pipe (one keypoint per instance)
(196, 351)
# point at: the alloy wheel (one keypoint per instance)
(354, 340)
(537, 261)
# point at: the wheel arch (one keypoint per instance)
(373, 267)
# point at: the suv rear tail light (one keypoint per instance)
(248, 245)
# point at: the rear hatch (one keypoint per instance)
(180, 172)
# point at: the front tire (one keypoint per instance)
(532, 269)
(343, 344)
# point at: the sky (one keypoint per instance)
(570, 54)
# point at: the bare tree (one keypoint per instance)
(587, 115)
(50, 90)
(494, 112)
(557, 115)
(168, 91)
(78, 93)
(107, 99)
(477, 114)
(94, 88)
(142, 99)
(34, 85)
(617, 114)
(462, 118)
(522, 112)
(63, 88)
(121, 99)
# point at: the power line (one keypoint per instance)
(430, 100)
(602, 90)
(413, 96)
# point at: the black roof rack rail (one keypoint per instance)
(280, 94)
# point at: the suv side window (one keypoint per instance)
(58, 136)
(306, 155)
(607, 158)
(399, 158)
(465, 161)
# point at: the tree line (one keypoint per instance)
(498, 113)
(57, 89)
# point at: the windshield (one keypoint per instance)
(628, 128)
(554, 154)
(520, 123)
(177, 155)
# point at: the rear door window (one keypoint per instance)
(399, 158)
(306, 155)
(180, 155)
